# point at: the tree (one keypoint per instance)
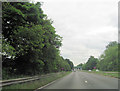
(23, 34)
(30, 42)
(80, 66)
(109, 59)
(91, 63)
(15, 14)
(70, 63)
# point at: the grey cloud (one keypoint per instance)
(86, 26)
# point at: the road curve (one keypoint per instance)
(84, 80)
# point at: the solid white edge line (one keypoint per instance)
(48, 84)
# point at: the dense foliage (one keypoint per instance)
(30, 43)
(108, 61)
(90, 64)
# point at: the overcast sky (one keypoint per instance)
(86, 26)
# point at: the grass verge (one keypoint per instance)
(30, 86)
(105, 73)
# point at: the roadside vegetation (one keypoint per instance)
(105, 73)
(30, 44)
(107, 64)
(30, 86)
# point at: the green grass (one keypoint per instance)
(10, 77)
(36, 84)
(111, 74)
(106, 73)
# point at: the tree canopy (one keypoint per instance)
(30, 43)
(90, 64)
(108, 60)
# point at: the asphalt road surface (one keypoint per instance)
(83, 80)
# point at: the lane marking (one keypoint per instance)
(42, 87)
(85, 81)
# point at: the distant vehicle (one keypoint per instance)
(74, 70)
(89, 70)
(97, 70)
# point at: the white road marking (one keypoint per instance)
(85, 81)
